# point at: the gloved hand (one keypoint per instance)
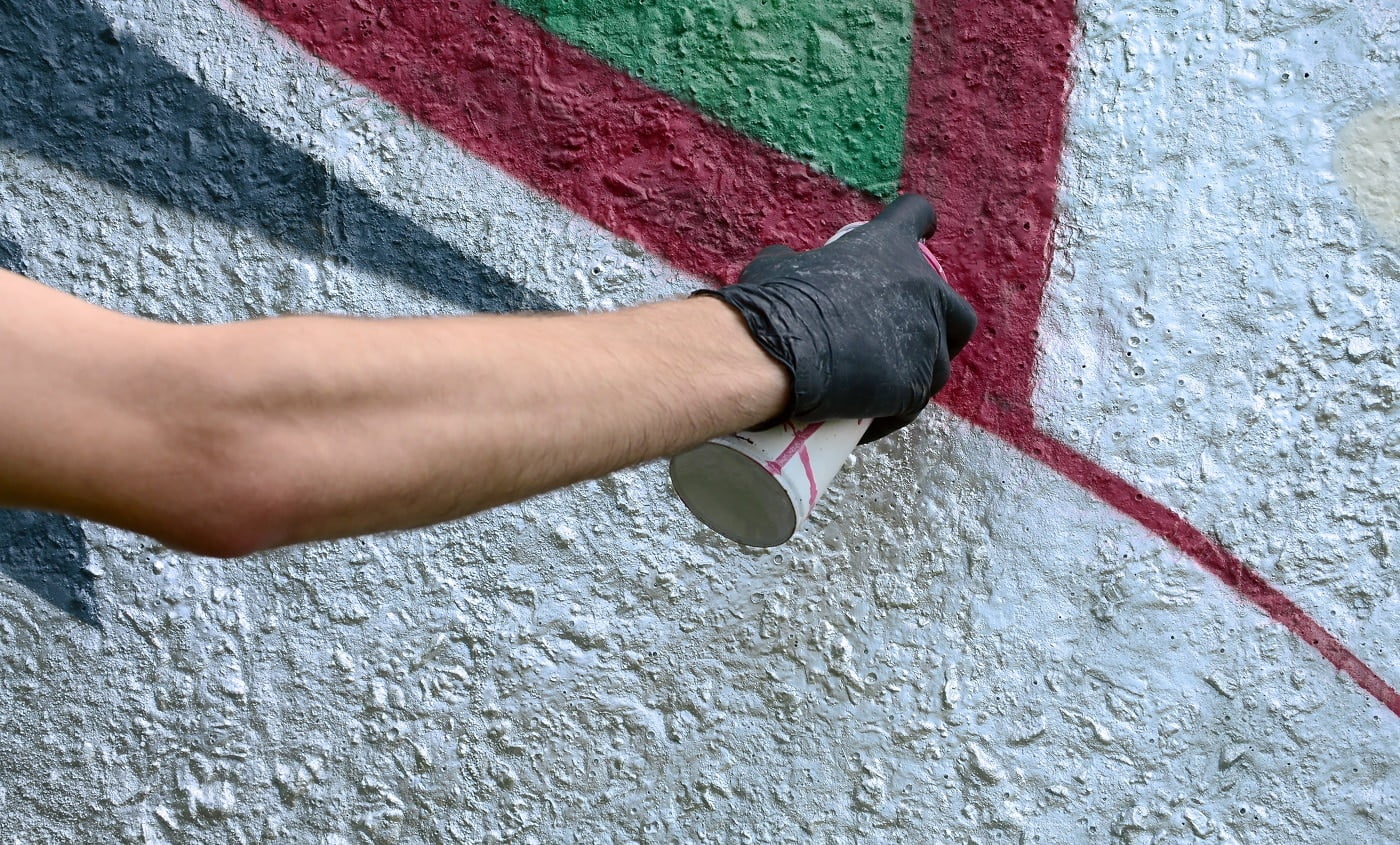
(864, 324)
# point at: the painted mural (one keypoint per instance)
(1132, 581)
(996, 201)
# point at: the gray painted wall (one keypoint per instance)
(961, 646)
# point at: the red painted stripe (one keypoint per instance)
(1162, 521)
(983, 139)
(609, 147)
(984, 133)
(986, 120)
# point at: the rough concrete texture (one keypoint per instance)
(961, 646)
(1240, 360)
(824, 82)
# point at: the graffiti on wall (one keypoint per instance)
(965, 644)
(986, 90)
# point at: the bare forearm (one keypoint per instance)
(339, 427)
(235, 437)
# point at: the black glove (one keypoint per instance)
(864, 324)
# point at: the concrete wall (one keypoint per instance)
(1134, 581)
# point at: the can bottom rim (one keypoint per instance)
(734, 495)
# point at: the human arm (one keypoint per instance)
(231, 438)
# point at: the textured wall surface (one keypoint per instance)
(825, 82)
(981, 636)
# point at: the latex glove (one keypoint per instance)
(866, 327)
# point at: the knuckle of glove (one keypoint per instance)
(859, 323)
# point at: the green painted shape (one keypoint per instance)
(821, 80)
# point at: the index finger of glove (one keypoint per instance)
(959, 318)
(910, 217)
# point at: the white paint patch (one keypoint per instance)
(1221, 322)
(1368, 159)
(959, 647)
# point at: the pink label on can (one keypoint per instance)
(798, 446)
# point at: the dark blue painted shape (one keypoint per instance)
(44, 551)
(11, 256)
(78, 94)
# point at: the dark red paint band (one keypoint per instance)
(609, 147)
(984, 132)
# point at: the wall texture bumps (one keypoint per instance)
(826, 83)
(967, 643)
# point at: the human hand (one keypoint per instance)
(864, 324)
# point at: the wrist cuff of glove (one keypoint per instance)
(758, 334)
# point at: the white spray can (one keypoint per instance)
(758, 487)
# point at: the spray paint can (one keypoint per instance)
(758, 487)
